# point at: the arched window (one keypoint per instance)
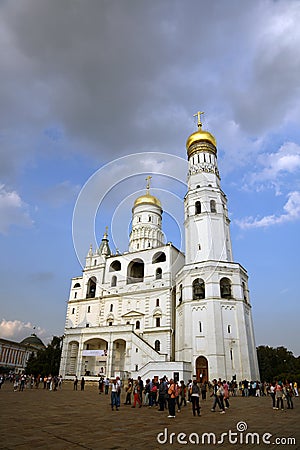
(157, 302)
(213, 208)
(76, 285)
(157, 345)
(225, 288)
(113, 281)
(198, 289)
(245, 293)
(158, 274)
(137, 325)
(159, 257)
(135, 271)
(91, 288)
(115, 266)
(198, 207)
(180, 293)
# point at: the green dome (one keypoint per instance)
(33, 340)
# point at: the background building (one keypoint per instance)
(14, 355)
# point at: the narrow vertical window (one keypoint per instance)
(229, 328)
(157, 302)
(111, 308)
(213, 207)
(200, 327)
(158, 321)
(198, 207)
(89, 309)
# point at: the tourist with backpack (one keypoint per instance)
(173, 394)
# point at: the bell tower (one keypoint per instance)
(207, 234)
(146, 230)
(214, 329)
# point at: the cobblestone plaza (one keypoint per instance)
(67, 419)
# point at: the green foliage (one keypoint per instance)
(47, 360)
(277, 363)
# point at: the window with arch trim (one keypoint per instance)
(225, 288)
(213, 207)
(113, 281)
(137, 325)
(115, 266)
(157, 345)
(159, 257)
(180, 293)
(91, 288)
(158, 274)
(198, 289)
(135, 271)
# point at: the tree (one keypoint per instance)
(47, 360)
(277, 363)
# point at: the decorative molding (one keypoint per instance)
(230, 307)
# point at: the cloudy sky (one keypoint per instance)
(86, 85)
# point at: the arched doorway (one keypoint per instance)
(202, 369)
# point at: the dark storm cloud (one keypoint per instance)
(122, 76)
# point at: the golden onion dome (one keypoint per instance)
(147, 199)
(200, 136)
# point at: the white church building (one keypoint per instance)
(153, 311)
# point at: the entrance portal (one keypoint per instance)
(202, 369)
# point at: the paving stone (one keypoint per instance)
(74, 420)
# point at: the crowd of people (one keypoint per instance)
(172, 395)
(21, 381)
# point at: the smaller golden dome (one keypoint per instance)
(147, 199)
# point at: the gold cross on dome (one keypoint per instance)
(148, 182)
(198, 114)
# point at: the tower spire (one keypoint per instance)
(148, 178)
(199, 123)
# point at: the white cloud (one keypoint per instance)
(13, 211)
(285, 160)
(292, 213)
(17, 330)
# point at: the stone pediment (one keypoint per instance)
(133, 314)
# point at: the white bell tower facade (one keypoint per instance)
(214, 330)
